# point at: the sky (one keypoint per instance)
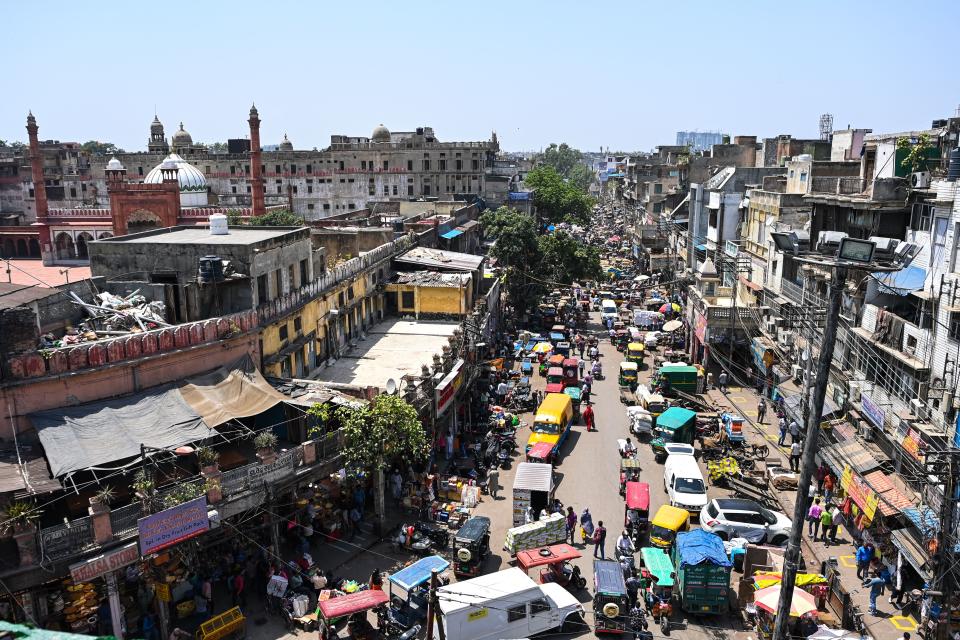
(624, 75)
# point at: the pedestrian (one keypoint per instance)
(593, 353)
(821, 474)
(828, 484)
(588, 417)
(493, 482)
(795, 453)
(581, 364)
(571, 523)
(580, 348)
(836, 519)
(599, 538)
(795, 430)
(206, 590)
(722, 380)
(761, 410)
(709, 381)
(896, 586)
(586, 526)
(783, 432)
(239, 590)
(813, 518)
(862, 558)
(826, 522)
(876, 588)
(585, 396)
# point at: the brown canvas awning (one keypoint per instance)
(234, 391)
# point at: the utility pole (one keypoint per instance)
(944, 465)
(792, 557)
(433, 607)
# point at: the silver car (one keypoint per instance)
(737, 518)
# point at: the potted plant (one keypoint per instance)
(264, 442)
(143, 484)
(208, 457)
(19, 517)
(101, 499)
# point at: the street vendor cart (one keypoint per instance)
(413, 580)
(353, 606)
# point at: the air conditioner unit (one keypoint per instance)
(918, 408)
(884, 246)
(865, 430)
(786, 338)
(854, 391)
(796, 372)
(771, 326)
(920, 179)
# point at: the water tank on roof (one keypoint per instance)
(805, 157)
(218, 225)
(953, 169)
(211, 269)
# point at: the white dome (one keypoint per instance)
(114, 165)
(188, 176)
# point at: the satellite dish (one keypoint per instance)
(391, 386)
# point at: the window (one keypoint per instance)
(386, 165)
(657, 187)
(309, 189)
(246, 169)
(278, 181)
(475, 164)
(409, 191)
(304, 274)
(516, 613)
(297, 325)
(443, 164)
(293, 168)
(326, 206)
(248, 188)
(262, 289)
(539, 605)
(277, 282)
(351, 180)
(340, 300)
(283, 331)
(352, 206)
(290, 283)
(386, 190)
(279, 169)
(426, 189)
(406, 300)
(233, 189)
(294, 188)
(310, 207)
(73, 192)
(363, 165)
(309, 168)
(939, 240)
(955, 325)
(791, 173)
(350, 295)
(803, 176)
(458, 164)
(426, 164)
(279, 189)
(409, 165)
(233, 170)
(341, 165)
(139, 171)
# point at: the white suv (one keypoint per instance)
(736, 518)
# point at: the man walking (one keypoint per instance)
(876, 586)
(571, 523)
(722, 381)
(863, 557)
(761, 410)
(794, 431)
(599, 539)
(795, 453)
(783, 432)
(493, 482)
(826, 523)
(813, 519)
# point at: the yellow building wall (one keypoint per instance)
(439, 300)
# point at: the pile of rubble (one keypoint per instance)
(108, 316)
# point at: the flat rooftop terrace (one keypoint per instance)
(201, 235)
(393, 349)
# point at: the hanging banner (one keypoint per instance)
(873, 413)
(859, 492)
(446, 390)
(912, 444)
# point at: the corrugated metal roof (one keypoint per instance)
(424, 256)
(892, 500)
(432, 279)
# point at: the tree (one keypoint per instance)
(557, 199)
(279, 218)
(565, 259)
(379, 434)
(215, 147)
(568, 163)
(97, 148)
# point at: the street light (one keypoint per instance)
(852, 254)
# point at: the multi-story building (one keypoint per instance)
(699, 140)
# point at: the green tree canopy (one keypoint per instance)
(565, 259)
(382, 432)
(280, 218)
(97, 148)
(558, 199)
(568, 163)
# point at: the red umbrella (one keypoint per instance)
(614, 238)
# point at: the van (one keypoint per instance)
(684, 483)
(552, 421)
(505, 604)
(608, 309)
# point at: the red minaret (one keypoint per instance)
(255, 165)
(39, 189)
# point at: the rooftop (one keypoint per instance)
(16, 295)
(33, 272)
(433, 279)
(392, 349)
(202, 235)
(423, 256)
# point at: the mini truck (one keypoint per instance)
(703, 572)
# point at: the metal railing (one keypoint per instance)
(65, 540)
(123, 521)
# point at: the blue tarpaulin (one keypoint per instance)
(701, 247)
(450, 235)
(902, 282)
(698, 546)
(924, 520)
(418, 573)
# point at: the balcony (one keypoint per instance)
(839, 185)
(720, 310)
(895, 333)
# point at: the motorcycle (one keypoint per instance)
(661, 608)
(419, 538)
(626, 448)
(627, 561)
(597, 370)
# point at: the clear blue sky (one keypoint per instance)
(624, 74)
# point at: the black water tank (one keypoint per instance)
(211, 269)
(953, 169)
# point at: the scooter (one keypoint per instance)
(597, 370)
(626, 560)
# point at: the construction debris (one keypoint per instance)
(109, 316)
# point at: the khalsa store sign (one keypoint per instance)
(102, 565)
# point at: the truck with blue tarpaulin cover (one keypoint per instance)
(703, 572)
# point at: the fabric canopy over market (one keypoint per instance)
(90, 436)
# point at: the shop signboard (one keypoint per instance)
(104, 564)
(162, 589)
(447, 388)
(700, 327)
(873, 413)
(285, 464)
(859, 492)
(912, 444)
(170, 526)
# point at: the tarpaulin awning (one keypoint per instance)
(450, 235)
(892, 500)
(924, 519)
(91, 435)
(792, 405)
(912, 551)
(902, 282)
(534, 476)
(849, 452)
(237, 391)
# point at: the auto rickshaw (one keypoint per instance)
(676, 424)
(629, 472)
(526, 366)
(732, 428)
(556, 360)
(575, 397)
(667, 522)
(628, 375)
(571, 372)
(556, 338)
(636, 509)
(556, 564)
(555, 380)
(413, 581)
(620, 339)
(558, 329)
(470, 546)
(353, 606)
(563, 348)
(657, 576)
(541, 452)
(635, 351)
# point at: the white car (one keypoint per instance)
(737, 518)
(683, 481)
(679, 449)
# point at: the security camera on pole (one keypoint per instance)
(850, 254)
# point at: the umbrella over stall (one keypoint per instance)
(768, 599)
